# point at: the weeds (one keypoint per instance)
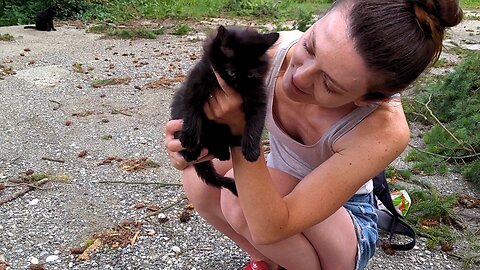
(6, 37)
(181, 29)
(114, 81)
(79, 68)
(127, 33)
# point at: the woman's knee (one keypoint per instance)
(202, 196)
(233, 213)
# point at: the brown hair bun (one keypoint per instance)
(442, 13)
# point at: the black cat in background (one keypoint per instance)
(238, 55)
(44, 20)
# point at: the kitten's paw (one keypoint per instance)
(223, 155)
(190, 154)
(251, 154)
(187, 140)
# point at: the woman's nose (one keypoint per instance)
(304, 75)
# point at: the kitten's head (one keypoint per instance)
(238, 55)
(51, 11)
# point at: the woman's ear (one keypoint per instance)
(362, 101)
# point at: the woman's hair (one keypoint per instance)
(398, 39)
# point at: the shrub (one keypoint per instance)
(452, 106)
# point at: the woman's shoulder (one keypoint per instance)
(386, 128)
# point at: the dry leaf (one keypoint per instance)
(90, 249)
(138, 205)
(82, 153)
(78, 250)
(37, 267)
(134, 238)
(153, 208)
(185, 217)
(446, 247)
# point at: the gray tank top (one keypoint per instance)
(290, 156)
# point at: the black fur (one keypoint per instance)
(238, 56)
(44, 21)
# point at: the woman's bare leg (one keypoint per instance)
(331, 244)
(206, 200)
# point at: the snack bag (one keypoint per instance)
(401, 201)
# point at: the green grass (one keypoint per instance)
(119, 11)
(470, 4)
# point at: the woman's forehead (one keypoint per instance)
(335, 51)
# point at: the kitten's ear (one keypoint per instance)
(221, 32)
(270, 38)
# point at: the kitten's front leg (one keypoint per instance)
(255, 121)
(51, 26)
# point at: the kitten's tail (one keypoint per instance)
(29, 27)
(207, 172)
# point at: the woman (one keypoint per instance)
(333, 126)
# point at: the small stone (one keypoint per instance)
(34, 260)
(51, 259)
(33, 202)
(176, 249)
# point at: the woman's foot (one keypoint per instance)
(260, 265)
(256, 265)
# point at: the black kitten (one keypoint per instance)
(44, 21)
(238, 56)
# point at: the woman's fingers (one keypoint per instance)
(174, 146)
(173, 126)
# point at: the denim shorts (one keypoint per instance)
(361, 209)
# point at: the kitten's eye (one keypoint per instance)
(231, 73)
(250, 75)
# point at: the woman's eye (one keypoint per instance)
(327, 85)
(305, 46)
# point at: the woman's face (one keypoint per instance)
(324, 68)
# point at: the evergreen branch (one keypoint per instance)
(443, 156)
(444, 127)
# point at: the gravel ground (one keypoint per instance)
(51, 113)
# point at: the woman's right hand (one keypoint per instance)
(174, 146)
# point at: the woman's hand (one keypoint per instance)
(225, 107)
(174, 146)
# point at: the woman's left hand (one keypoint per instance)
(224, 106)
